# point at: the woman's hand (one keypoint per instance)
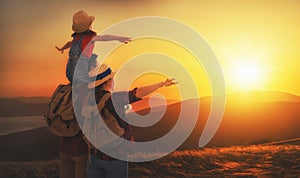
(168, 82)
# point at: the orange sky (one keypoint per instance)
(264, 33)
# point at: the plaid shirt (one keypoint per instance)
(115, 105)
(73, 146)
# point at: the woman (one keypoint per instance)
(102, 165)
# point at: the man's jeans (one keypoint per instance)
(98, 168)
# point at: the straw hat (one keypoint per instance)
(82, 21)
(99, 75)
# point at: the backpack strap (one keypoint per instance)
(102, 101)
(90, 111)
(87, 109)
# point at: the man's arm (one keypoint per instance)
(146, 90)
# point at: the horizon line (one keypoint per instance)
(234, 92)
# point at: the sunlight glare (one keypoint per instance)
(247, 75)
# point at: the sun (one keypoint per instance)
(247, 75)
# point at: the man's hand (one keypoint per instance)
(168, 82)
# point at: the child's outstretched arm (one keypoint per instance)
(66, 46)
(111, 38)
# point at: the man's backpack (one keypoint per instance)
(60, 113)
(97, 135)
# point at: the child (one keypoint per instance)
(81, 48)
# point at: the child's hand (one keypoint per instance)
(59, 49)
(124, 39)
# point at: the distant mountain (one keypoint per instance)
(257, 96)
(23, 106)
(244, 121)
(155, 102)
(26, 106)
(265, 96)
(249, 117)
(32, 99)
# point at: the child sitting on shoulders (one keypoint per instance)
(82, 45)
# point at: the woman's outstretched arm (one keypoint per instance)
(146, 90)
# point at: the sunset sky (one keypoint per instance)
(256, 42)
